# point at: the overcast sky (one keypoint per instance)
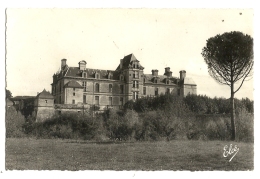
(37, 39)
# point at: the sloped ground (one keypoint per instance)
(57, 154)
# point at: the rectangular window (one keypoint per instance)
(46, 101)
(156, 92)
(121, 101)
(74, 94)
(121, 89)
(96, 100)
(73, 101)
(73, 89)
(110, 88)
(84, 99)
(84, 84)
(135, 95)
(144, 90)
(136, 74)
(110, 101)
(96, 87)
(135, 84)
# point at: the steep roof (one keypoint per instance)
(45, 95)
(188, 81)
(126, 61)
(76, 72)
(72, 84)
(161, 79)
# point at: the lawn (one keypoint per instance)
(57, 154)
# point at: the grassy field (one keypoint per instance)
(56, 154)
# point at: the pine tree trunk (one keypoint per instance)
(232, 102)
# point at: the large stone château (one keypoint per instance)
(82, 85)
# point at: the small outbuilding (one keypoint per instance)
(44, 106)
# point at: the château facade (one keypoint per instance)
(82, 85)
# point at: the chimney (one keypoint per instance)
(182, 74)
(82, 65)
(155, 72)
(168, 72)
(121, 63)
(63, 63)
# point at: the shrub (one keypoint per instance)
(209, 127)
(244, 125)
(216, 129)
(14, 123)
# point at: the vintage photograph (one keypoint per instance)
(129, 89)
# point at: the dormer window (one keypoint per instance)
(84, 75)
(135, 65)
(167, 82)
(155, 80)
(97, 75)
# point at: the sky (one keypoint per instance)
(37, 40)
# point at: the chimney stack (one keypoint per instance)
(155, 72)
(63, 63)
(182, 74)
(82, 65)
(168, 72)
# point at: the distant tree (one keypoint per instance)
(249, 105)
(196, 103)
(230, 59)
(8, 94)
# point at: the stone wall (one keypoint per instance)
(43, 113)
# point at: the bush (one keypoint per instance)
(209, 127)
(216, 129)
(14, 123)
(244, 125)
(67, 126)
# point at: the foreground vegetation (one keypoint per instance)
(57, 154)
(166, 117)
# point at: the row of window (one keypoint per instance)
(97, 76)
(156, 91)
(157, 80)
(110, 100)
(97, 87)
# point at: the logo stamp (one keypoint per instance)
(230, 151)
